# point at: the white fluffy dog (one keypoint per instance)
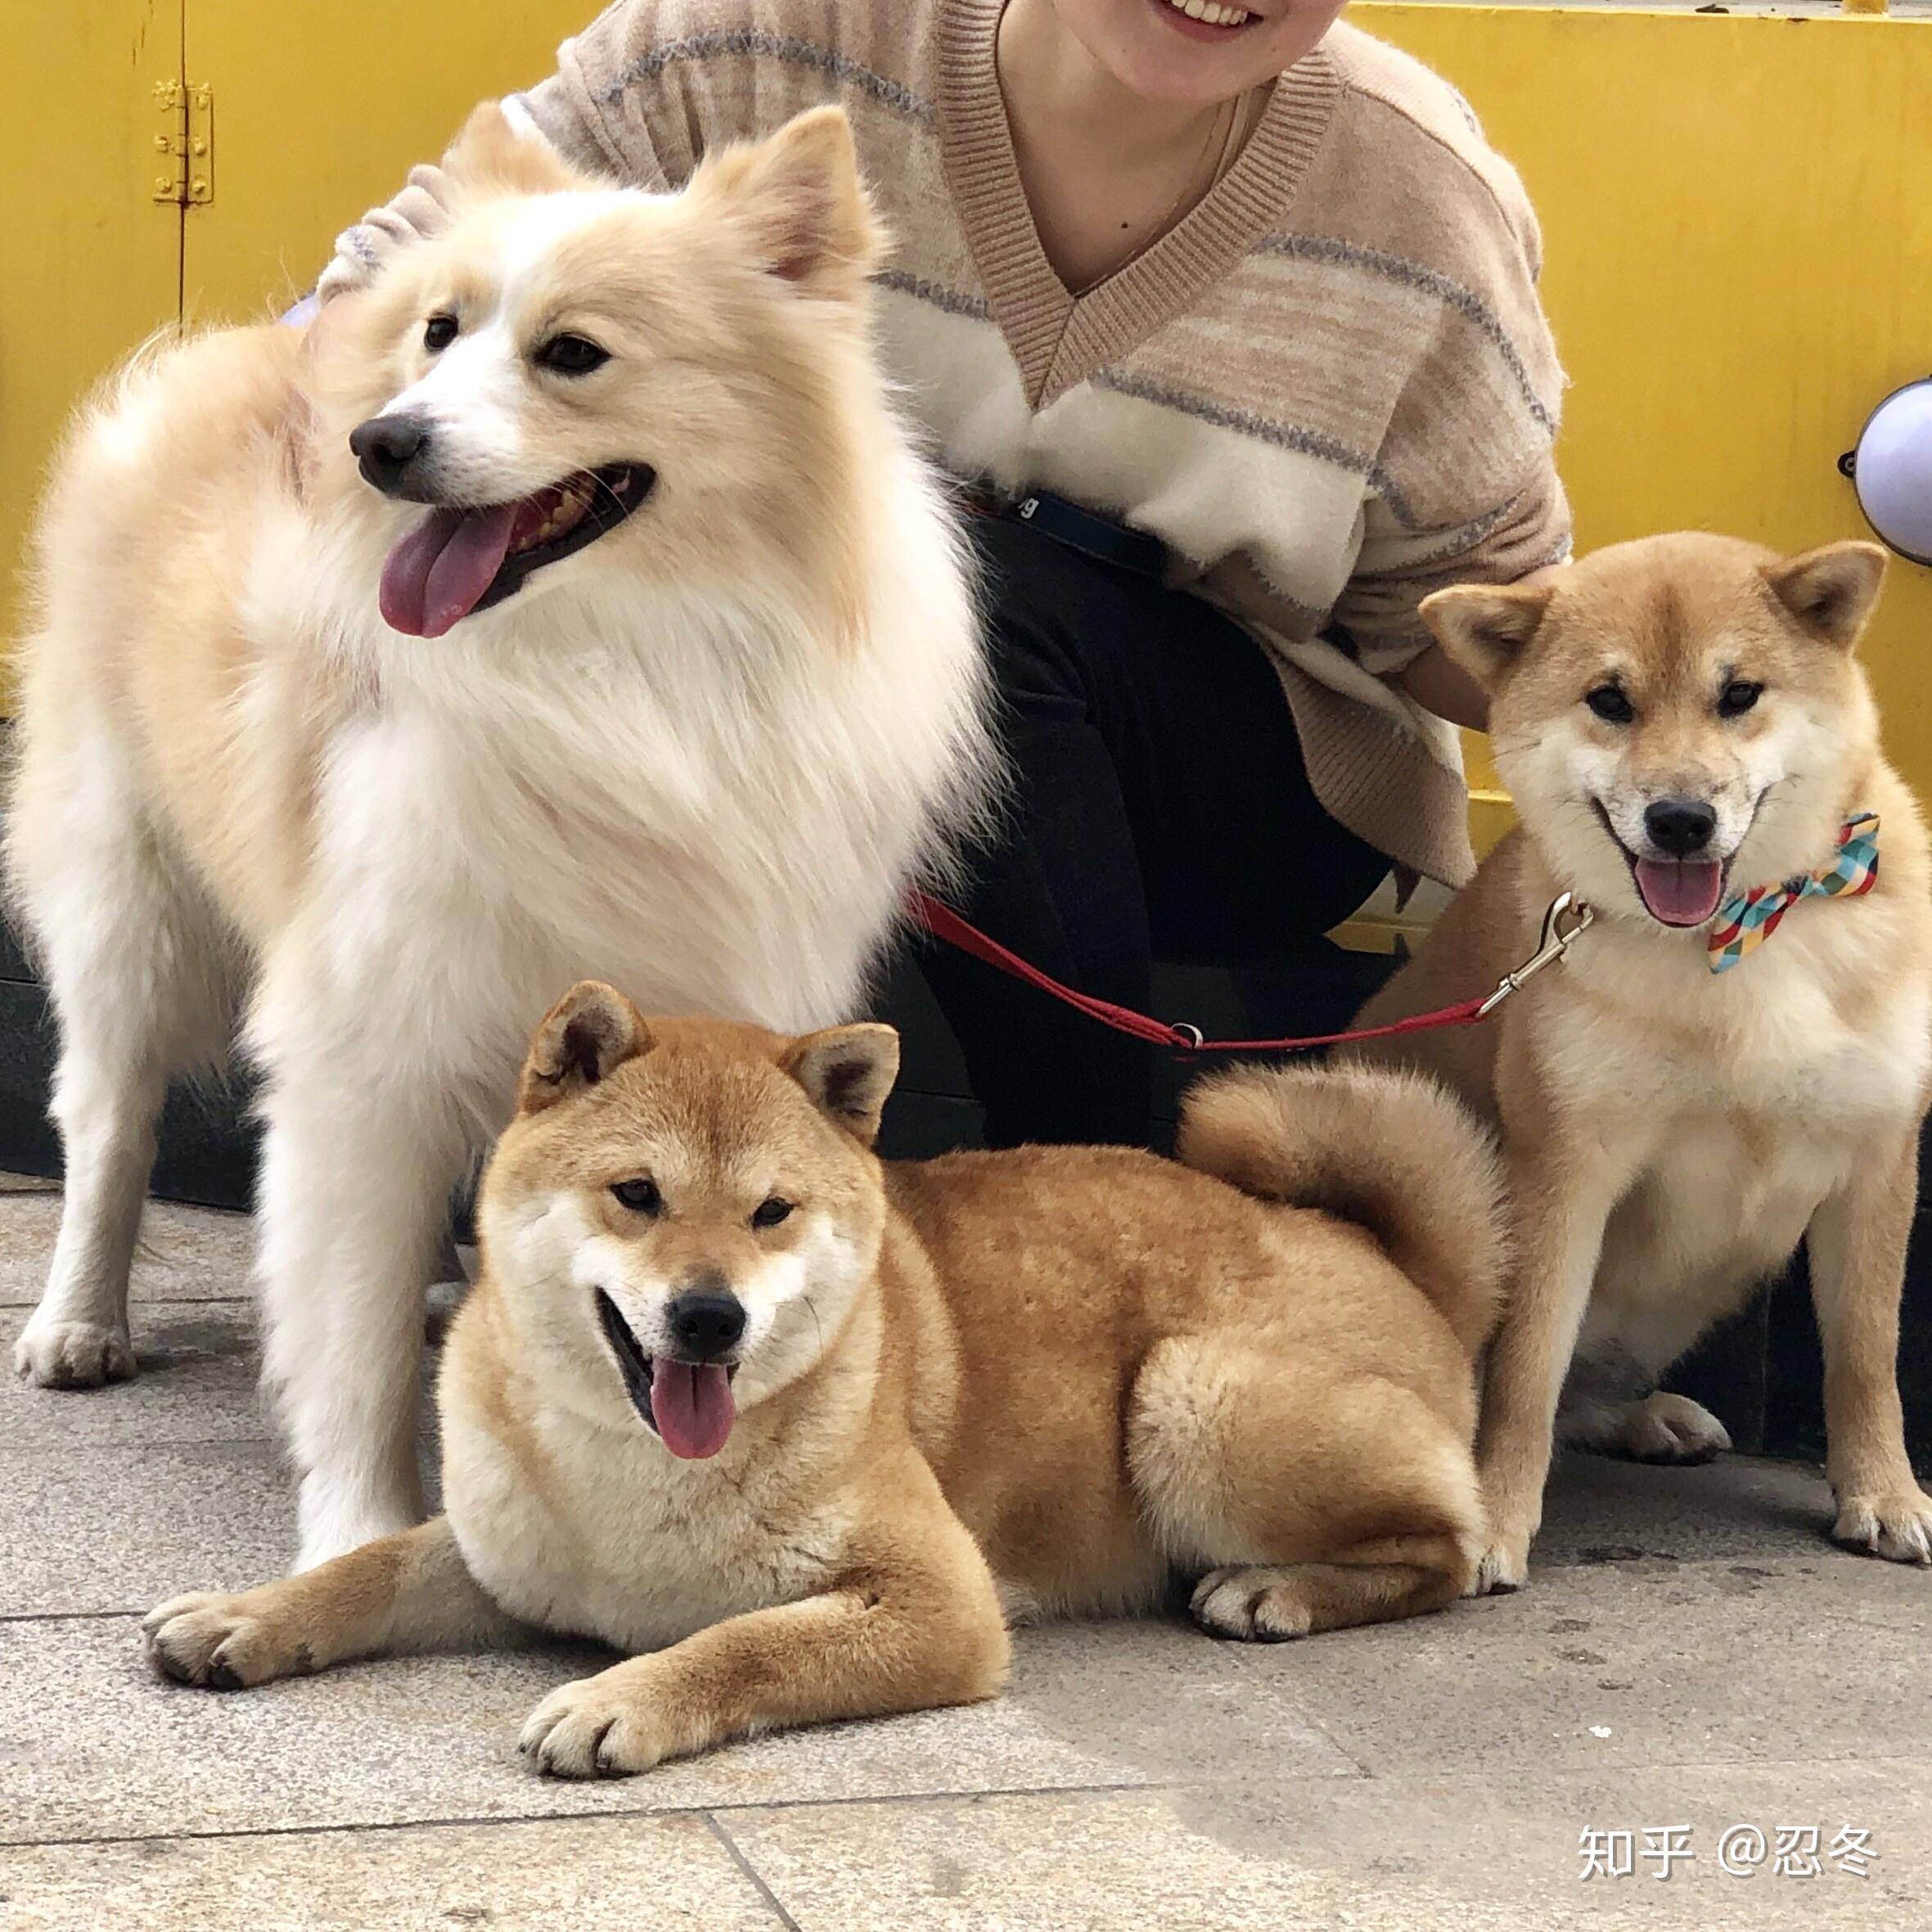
(569, 603)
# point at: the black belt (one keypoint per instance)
(1084, 530)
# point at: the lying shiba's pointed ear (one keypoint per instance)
(800, 196)
(492, 154)
(848, 1071)
(1484, 626)
(1830, 591)
(592, 1030)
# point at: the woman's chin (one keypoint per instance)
(1165, 56)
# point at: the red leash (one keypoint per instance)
(944, 923)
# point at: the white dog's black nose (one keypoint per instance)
(385, 447)
(706, 1323)
(1680, 827)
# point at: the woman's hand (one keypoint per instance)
(1445, 688)
(422, 210)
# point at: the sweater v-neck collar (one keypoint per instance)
(1059, 338)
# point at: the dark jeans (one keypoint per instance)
(1159, 806)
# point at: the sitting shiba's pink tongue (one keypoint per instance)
(435, 576)
(691, 1404)
(1680, 892)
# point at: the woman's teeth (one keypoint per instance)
(1213, 15)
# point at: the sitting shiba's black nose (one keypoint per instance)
(386, 446)
(706, 1323)
(1680, 827)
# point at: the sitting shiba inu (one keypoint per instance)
(570, 600)
(1735, 1054)
(810, 1431)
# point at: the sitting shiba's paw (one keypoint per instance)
(1896, 1524)
(1260, 1606)
(1664, 1428)
(73, 1355)
(600, 1727)
(219, 1642)
(1505, 1567)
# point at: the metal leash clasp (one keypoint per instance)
(1557, 940)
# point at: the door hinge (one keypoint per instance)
(184, 143)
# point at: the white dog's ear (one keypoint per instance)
(1830, 591)
(492, 155)
(848, 1071)
(1484, 626)
(590, 1032)
(800, 196)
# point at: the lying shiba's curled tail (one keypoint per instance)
(1391, 1150)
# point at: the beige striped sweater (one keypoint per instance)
(1330, 389)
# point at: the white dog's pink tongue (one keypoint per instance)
(435, 575)
(691, 1404)
(1680, 892)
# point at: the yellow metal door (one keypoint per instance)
(91, 261)
(321, 106)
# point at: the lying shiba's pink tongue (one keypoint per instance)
(691, 1404)
(1680, 892)
(435, 575)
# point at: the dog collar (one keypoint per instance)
(1746, 920)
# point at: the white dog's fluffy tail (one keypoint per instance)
(1394, 1151)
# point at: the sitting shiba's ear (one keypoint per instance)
(1484, 626)
(848, 1071)
(1830, 591)
(800, 195)
(492, 155)
(592, 1031)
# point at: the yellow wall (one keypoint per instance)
(1737, 219)
(1738, 227)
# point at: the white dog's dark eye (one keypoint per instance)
(770, 1212)
(641, 1197)
(572, 355)
(1610, 704)
(439, 332)
(1737, 697)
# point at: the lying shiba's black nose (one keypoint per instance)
(386, 446)
(1680, 827)
(706, 1323)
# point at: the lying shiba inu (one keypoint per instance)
(570, 600)
(1736, 1053)
(810, 1431)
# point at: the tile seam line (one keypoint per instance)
(730, 1808)
(756, 1878)
(134, 1307)
(12, 1454)
(567, 1818)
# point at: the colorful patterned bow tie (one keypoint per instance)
(1746, 920)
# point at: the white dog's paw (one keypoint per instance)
(218, 1642)
(55, 1354)
(1255, 1605)
(1895, 1524)
(1672, 1429)
(599, 1726)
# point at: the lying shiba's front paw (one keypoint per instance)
(1666, 1428)
(1260, 1605)
(596, 1727)
(1895, 1522)
(220, 1643)
(73, 1355)
(1505, 1566)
